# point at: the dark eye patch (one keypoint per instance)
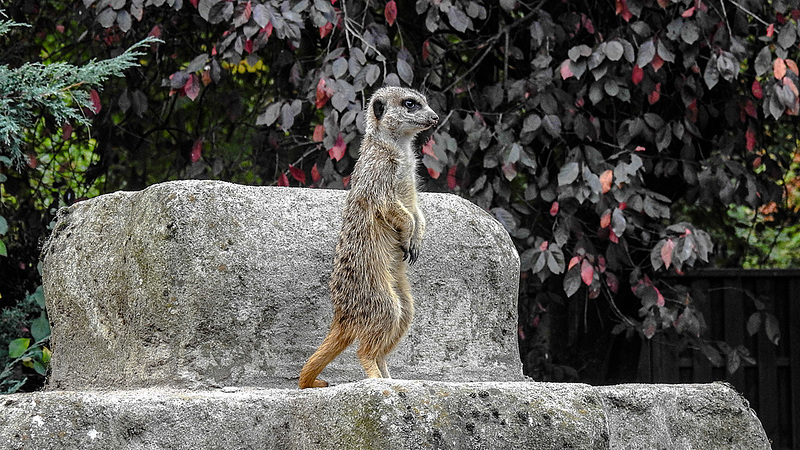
(411, 104)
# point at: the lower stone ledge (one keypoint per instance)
(387, 414)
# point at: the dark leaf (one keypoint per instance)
(772, 328)
(270, 115)
(572, 281)
(763, 61)
(458, 19)
(753, 323)
(568, 173)
(618, 222)
(646, 53)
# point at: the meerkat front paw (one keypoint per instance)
(411, 253)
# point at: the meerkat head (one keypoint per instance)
(401, 112)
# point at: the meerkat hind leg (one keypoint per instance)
(368, 362)
(383, 367)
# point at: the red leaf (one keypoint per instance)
(426, 50)
(554, 209)
(779, 68)
(543, 246)
(613, 237)
(96, 106)
(248, 46)
(657, 62)
(639, 148)
(509, 171)
(605, 220)
(750, 109)
(155, 32)
(323, 94)
(750, 138)
(346, 180)
(194, 2)
(663, 3)
(688, 12)
(612, 282)
(666, 252)
(297, 174)
(434, 174)
(575, 260)
(32, 161)
(319, 133)
(325, 29)
(791, 65)
(606, 178)
(192, 87)
(622, 10)
(586, 22)
(427, 148)
(770, 30)
(655, 95)
(452, 182)
(390, 12)
(623, 206)
(587, 272)
(660, 301)
(267, 29)
(197, 149)
(691, 111)
(337, 151)
(637, 74)
(566, 72)
(315, 176)
(283, 180)
(66, 131)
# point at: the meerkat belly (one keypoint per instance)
(362, 286)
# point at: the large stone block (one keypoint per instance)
(387, 415)
(198, 284)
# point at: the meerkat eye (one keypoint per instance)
(410, 104)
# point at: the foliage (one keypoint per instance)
(609, 139)
(21, 351)
(63, 94)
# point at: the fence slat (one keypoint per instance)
(734, 323)
(793, 335)
(767, 374)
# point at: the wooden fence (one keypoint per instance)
(772, 384)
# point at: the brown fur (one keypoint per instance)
(382, 231)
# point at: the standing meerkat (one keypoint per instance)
(382, 230)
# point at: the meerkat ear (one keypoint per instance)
(378, 109)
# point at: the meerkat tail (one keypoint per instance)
(335, 342)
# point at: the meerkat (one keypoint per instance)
(381, 235)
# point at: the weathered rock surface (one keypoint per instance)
(198, 284)
(387, 414)
(158, 297)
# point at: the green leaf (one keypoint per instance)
(40, 328)
(3, 251)
(40, 368)
(17, 347)
(3, 225)
(38, 297)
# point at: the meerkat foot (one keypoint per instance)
(319, 384)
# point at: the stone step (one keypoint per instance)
(387, 415)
